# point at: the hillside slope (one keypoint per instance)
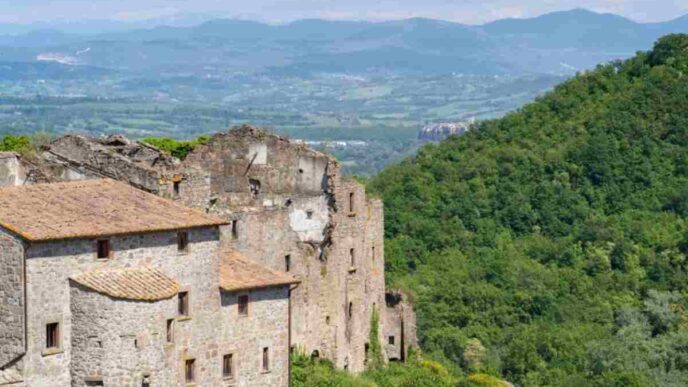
(558, 235)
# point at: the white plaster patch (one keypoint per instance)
(308, 217)
(260, 152)
(9, 170)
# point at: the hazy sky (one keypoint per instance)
(466, 11)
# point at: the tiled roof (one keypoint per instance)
(140, 284)
(240, 273)
(91, 208)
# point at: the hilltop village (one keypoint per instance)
(124, 266)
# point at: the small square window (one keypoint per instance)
(183, 299)
(390, 340)
(103, 249)
(243, 305)
(190, 370)
(266, 359)
(309, 214)
(52, 336)
(182, 241)
(228, 366)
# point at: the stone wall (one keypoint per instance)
(116, 158)
(287, 202)
(12, 304)
(122, 342)
(11, 172)
(49, 265)
(399, 326)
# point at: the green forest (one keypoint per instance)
(556, 238)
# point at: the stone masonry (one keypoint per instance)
(288, 208)
(127, 338)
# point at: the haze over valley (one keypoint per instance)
(318, 80)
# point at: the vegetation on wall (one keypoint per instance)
(374, 355)
(550, 247)
(177, 148)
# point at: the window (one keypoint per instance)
(235, 229)
(170, 330)
(52, 336)
(175, 187)
(390, 340)
(352, 257)
(351, 309)
(254, 187)
(266, 359)
(309, 214)
(373, 252)
(351, 202)
(183, 303)
(243, 305)
(182, 241)
(287, 262)
(228, 366)
(190, 370)
(366, 353)
(104, 249)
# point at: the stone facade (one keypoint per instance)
(289, 208)
(400, 326)
(118, 342)
(12, 303)
(11, 172)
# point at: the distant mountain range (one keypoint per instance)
(555, 43)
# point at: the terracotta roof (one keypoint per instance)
(240, 273)
(91, 208)
(140, 284)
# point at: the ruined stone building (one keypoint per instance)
(105, 285)
(287, 208)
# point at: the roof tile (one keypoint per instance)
(240, 273)
(139, 284)
(92, 208)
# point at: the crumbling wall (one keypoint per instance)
(287, 203)
(115, 157)
(356, 259)
(399, 327)
(11, 172)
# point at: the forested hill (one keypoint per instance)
(557, 235)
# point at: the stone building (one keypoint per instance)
(104, 284)
(287, 207)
